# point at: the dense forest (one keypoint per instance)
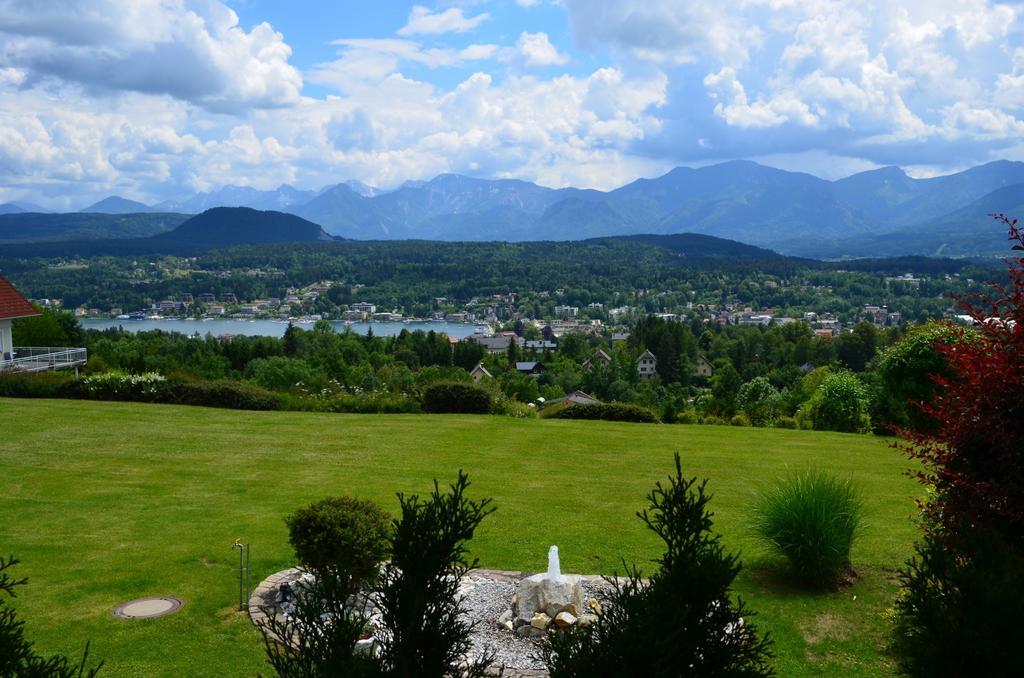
(652, 274)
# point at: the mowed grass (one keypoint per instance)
(105, 502)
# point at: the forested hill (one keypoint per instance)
(242, 225)
(35, 226)
(699, 246)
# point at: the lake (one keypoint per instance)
(272, 328)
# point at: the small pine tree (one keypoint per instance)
(513, 352)
(17, 656)
(321, 632)
(682, 621)
(290, 345)
(424, 632)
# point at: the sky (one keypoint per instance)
(159, 99)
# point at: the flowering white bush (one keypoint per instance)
(116, 383)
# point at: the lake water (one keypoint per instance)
(272, 328)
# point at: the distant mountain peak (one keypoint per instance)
(115, 204)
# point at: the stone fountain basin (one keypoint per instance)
(547, 594)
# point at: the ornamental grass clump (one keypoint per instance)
(812, 519)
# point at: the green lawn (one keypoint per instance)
(104, 502)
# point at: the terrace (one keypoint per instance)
(42, 359)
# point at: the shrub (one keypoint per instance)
(323, 627)
(739, 420)
(340, 535)
(424, 629)
(840, 404)
(456, 396)
(40, 385)
(17, 655)
(371, 403)
(119, 385)
(683, 621)
(906, 370)
(812, 519)
(607, 412)
(759, 400)
(225, 393)
(959, 611)
(279, 373)
(512, 408)
(712, 420)
(687, 417)
(961, 614)
(786, 422)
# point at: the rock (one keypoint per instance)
(586, 620)
(507, 625)
(564, 620)
(571, 609)
(540, 621)
(541, 593)
(595, 606)
(505, 616)
(520, 622)
(530, 632)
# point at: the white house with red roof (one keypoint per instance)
(28, 358)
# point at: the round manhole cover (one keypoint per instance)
(148, 608)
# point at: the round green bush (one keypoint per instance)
(341, 535)
(686, 417)
(456, 397)
(740, 420)
(712, 420)
(840, 404)
(786, 422)
(759, 400)
(812, 519)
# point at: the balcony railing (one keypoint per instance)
(42, 358)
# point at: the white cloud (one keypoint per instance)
(537, 50)
(193, 51)
(424, 22)
(734, 107)
(982, 123)
(666, 31)
(365, 61)
(146, 97)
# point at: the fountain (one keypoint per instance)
(554, 565)
(549, 593)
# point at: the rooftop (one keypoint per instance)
(12, 304)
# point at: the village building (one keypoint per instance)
(494, 345)
(703, 368)
(574, 398)
(646, 365)
(532, 367)
(29, 358)
(480, 372)
(599, 358)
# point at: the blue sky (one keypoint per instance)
(157, 99)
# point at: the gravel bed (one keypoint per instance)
(486, 598)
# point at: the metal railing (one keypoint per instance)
(42, 358)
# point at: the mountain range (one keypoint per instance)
(881, 212)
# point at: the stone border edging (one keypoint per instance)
(259, 599)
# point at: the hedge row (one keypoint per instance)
(457, 397)
(140, 388)
(608, 412)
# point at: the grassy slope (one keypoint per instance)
(104, 502)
